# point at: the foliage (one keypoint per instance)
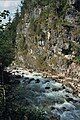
(7, 39)
(6, 50)
(77, 58)
(31, 113)
(4, 15)
(35, 114)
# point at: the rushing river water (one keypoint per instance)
(56, 99)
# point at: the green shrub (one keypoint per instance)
(35, 114)
(77, 58)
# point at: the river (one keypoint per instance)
(35, 91)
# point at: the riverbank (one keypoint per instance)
(64, 78)
(35, 94)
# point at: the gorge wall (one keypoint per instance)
(48, 36)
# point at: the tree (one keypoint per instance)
(6, 47)
(4, 15)
(7, 37)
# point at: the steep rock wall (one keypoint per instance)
(48, 36)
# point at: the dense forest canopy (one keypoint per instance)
(7, 38)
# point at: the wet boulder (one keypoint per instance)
(71, 115)
(67, 106)
(30, 80)
(37, 81)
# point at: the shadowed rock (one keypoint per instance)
(47, 87)
(37, 81)
(18, 76)
(31, 79)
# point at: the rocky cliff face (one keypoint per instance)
(48, 35)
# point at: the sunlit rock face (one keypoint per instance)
(47, 41)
